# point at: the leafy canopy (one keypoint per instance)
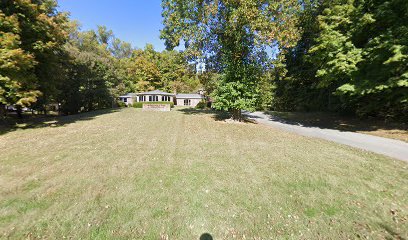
(232, 36)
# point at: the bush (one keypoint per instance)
(140, 104)
(201, 105)
(121, 104)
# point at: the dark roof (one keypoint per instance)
(189, 95)
(155, 92)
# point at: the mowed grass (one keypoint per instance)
(176, 175)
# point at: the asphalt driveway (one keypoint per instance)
(389, 147)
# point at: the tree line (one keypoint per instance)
(46, 59)
(346, 56)
(352, 57)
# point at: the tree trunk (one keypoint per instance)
(236, 115)
(19, 111)
(3, 110)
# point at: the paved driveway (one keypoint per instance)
(389, 147)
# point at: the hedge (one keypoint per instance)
(121, 104)
(140, 104)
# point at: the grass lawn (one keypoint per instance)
(176, 175)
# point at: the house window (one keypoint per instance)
(142, 98)
(153, 98)
(124, 99)
(187, 102)
(165, 98)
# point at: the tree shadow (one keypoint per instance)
(11, 124)
(216, 115)
(206, 236)
(338, 122)
(335, 121)
(392, 232)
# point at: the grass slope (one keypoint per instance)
(177, 175)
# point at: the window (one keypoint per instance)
(187, 102)
(153, 98)
(142, 98)
(124, 99)
(165, 98)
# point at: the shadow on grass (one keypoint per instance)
(216, 115)
(392, 232)
(40, 121)
(206, 236)
(335, 121)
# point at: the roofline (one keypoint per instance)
(163, 94)
(191, 97)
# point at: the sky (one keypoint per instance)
(135, 21)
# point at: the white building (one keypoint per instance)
(191, 99)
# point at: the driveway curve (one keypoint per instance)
(388, 147)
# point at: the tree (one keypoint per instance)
(18, 83)
(176, 73)
(231, 34)
(379, 86)
(352, 57)
(144, 69)
(297, 90)
(32, 35)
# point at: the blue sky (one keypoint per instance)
(134, 21)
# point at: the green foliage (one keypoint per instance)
(352, 57)
(234, 95)
(232, 36)
(148, 70)
(44, 59)
(121, 104)
(30, 38)
(91, 76)
(140, 104)
(201, 105)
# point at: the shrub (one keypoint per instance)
(140, 104)
(121, 104)
(201, 105)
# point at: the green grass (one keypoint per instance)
(176, 175)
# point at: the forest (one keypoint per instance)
(46, 59)
(344, 56)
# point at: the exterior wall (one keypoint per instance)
(179, 102)
(130, 100)
(194, 102)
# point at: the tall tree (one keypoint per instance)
(232, 34)
(18, 84)
(91, 75)
(353, 57)
(33, 34)
(298, 90)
